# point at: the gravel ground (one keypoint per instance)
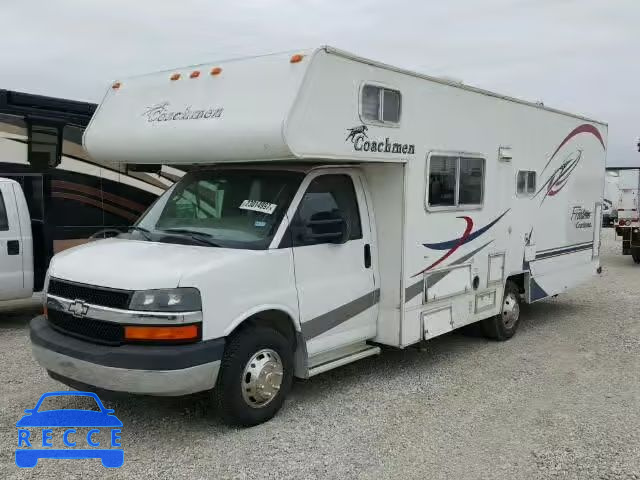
(560, 400)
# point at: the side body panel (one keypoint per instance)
(16, 258)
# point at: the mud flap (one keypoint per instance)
(532, 290)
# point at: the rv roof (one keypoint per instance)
(453, 83)
(276, 107)
(445, 80)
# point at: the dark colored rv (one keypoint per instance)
(71, 198)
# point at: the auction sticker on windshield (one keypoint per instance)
(258, 206)
(69, 433)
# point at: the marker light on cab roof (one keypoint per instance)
(116, 85)
(216, 71)
(296, 58)
(195, 74)
(175, 76)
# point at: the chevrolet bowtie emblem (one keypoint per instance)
(78, 308)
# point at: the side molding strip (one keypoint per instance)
(327, 321)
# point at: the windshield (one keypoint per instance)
(221, 208)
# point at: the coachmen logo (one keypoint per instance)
(161, 113)
(78, 308)
(361, 143)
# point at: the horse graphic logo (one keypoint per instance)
(355, 131)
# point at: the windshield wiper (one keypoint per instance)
(145, 233)
(201, 237)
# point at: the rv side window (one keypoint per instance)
(381, 104)
(4, 221)
(526, 182)
(471, 180)
(442, 181)
(531, 182)
(455, 181)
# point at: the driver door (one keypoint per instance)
(337, 293)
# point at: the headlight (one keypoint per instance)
(167, 300)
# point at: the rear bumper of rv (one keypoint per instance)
(139, 369)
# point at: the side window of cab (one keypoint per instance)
(328, 213)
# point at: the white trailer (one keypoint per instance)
(628, 217)
(611, 197)
(333, 205)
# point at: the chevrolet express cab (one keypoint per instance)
(331, 205)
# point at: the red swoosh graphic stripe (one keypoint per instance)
(584, 128)
(460, 242)
(95, 203)
(118, 200)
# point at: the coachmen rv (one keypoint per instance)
(332, 205)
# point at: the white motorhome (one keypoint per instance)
(628, 218)
(332, 205)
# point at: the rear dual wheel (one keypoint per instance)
(504, 325)
(255, 377)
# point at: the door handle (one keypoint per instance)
(367, 255)
(13, 247)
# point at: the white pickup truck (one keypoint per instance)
(16, 245)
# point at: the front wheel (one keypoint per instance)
(636, 256)
(255, 377)
(504, 325)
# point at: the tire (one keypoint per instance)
(251, 360)
(636, 257)
(504, 325)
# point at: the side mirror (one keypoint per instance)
(326, 227)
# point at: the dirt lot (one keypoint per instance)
(560, 400)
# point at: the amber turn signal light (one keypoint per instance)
(296, 58)
(169, 333)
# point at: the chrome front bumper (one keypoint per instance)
(141, 369)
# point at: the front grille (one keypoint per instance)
(96, 331)
(106, 297)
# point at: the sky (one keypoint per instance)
(582, 56)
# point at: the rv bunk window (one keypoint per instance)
(526, 182)
(381, 104)
(455, 182)
(4, 221)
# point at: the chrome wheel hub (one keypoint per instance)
(262, 378)
(510, 310)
